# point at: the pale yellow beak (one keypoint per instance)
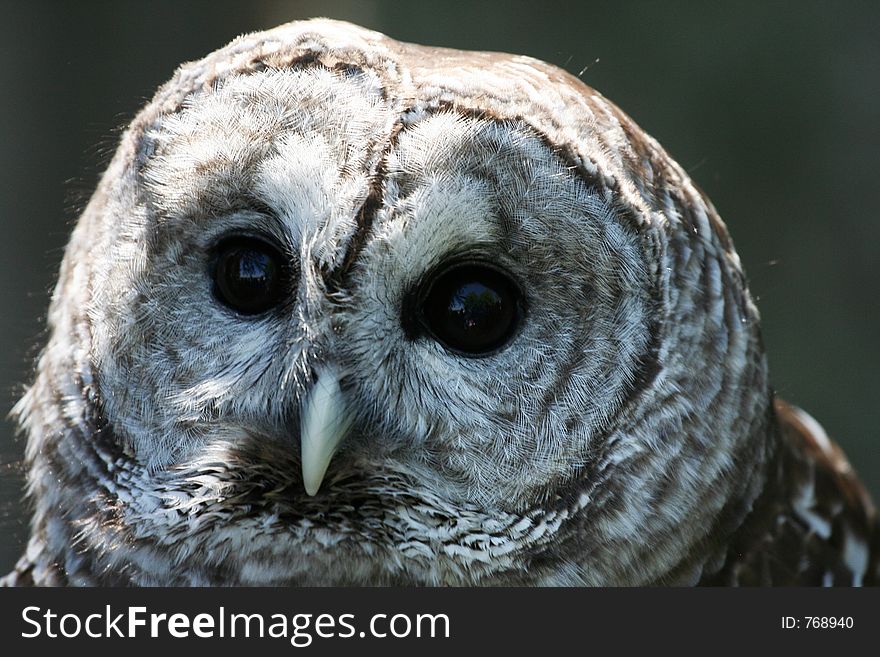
(325, 420)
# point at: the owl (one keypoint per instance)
(350, 311)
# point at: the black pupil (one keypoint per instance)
(472, 309)
(249, 275)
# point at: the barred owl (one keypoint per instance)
(345, 310)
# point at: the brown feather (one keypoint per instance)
(813, 525)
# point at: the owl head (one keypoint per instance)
(347, 310)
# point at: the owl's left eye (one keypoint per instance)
(250, 275)
(472, 309)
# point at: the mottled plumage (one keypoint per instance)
(623, 430)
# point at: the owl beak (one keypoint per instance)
(324, 421)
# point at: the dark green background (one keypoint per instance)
(772, 107)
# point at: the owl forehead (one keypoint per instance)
(309, 146)
(322, 103)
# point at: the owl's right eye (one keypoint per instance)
(250, 275)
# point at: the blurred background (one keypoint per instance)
(773, 108)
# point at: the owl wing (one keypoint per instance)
(814, 524)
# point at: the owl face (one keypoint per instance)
(389, 310)
(353, 311)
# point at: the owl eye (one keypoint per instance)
(472, 309)
(250, 275)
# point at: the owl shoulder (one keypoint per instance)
(814, 524)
